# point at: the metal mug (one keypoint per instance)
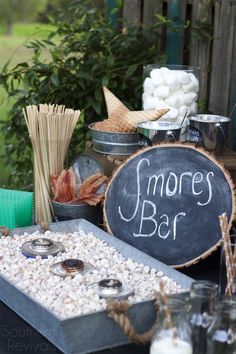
(155, 132)
(209, 131)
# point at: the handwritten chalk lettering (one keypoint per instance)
(165, 227)
(209, 189)
(167, 184)
(198, 181)
(138, 193)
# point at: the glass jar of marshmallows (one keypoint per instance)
(172, 86)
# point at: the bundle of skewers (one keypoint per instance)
(50, 129)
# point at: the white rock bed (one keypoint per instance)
(72, 296)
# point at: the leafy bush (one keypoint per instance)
(87, 54)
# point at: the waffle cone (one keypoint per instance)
(115, 108)
(132, 118)
(109, 125)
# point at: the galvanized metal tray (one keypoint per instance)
(87, 333)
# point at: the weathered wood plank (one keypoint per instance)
(132, 12)
(232, 99)
(150, 8)
(200, 51)
(224, 25)
(176, 12)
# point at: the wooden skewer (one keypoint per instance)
(50, 129)
(229, 256)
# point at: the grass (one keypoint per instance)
(12, 48)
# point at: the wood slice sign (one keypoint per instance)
(165, 200)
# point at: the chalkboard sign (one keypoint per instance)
(165, 200)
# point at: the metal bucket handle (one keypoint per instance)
(218, 125)
(170, 134)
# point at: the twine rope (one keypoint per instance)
(118, 312)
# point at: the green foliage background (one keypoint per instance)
(89, 52)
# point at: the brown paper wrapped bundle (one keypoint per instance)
(121, 119)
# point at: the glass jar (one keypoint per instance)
(172, 335)
(221, 336)
(203, 300)
(172, 86)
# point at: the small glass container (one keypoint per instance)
(172, 337)
(221, 336)
(171, 86)
(203, 299)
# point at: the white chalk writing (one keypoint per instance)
(170, 185)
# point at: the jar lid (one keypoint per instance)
(71, 267)
(42, 247)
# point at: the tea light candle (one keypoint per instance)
(168, 345)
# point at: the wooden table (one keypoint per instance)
(110, 162)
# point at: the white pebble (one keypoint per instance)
(75, 296)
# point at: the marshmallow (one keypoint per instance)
(145, 96)
(172, 81)
(173, 101)
(195, 81)
(183, 77)
(189, 87)
(162, 92)
(187, 98)
(161, 104)
(173, 113)
(148, 86)
(165, 71)
(182, 110)
(149, 103)
(156, 76)
(193, 108)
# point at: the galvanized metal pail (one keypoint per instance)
(63, 211)
(209, 131)
(156, 132)
(113, 143)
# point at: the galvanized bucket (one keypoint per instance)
(113, 143)
(209, 131)
(156, 132)
(64, 212)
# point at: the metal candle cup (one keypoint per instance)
(73, 265)
(109, 286)
(42, 247)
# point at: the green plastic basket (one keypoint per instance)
(16, 208)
